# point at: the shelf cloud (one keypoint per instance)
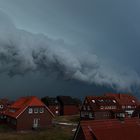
(22, 52)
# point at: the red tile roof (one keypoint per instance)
(5, 103)
(102, 100)
(97, 101)
(21, 104)
(124, 99)
(111, 129)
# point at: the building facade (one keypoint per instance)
(52, 104)
(100, 107)
(28, 113)
(68, 105)
(4, 104)
(127, 102)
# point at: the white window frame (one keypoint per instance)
(41, 110)
(30, 110)
(1, 106)
(129, 106)
(101, 107)
(35, 110)
(90, 115)
(114, 101)
(133, 101)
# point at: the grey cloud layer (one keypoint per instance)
(22, 52)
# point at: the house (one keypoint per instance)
(4, 103)
(110, 129)
(52, 104)
(127, 102)
(68, 105)
(100, 107)
(28, 113)
(136, 112)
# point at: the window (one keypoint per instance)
(12, 110)
(122, 115)
(109, 107)
(101, 100)
(88, 107)
(82, 114)
(93, 101)
(35, 110)
(113, 107)
(90, 115)
(128, 106)
(56, 101)
(114, 101)
(13, 122)
(84, 107)
(56, 112)
(106, 107)
(41, 110)
(101, 107)
(123, 107)
(30, 111)
(86, 102)
(1, 106)
(133, 101)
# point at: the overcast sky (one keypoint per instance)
(94, 42)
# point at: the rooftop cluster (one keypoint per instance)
(109, 117)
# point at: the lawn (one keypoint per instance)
(68, 119)
(52, 133)
(55, 132)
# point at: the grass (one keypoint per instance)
(52, 133)
(5, 128)
(68, 119)
(55, 132)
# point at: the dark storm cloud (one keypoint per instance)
(22, 52)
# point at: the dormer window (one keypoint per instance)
(12, 110)
(114, 101)
(101, 100)
(133, 101)
(93, 101)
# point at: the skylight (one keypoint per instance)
(133, 101)
(93, 101)
(114, 101)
